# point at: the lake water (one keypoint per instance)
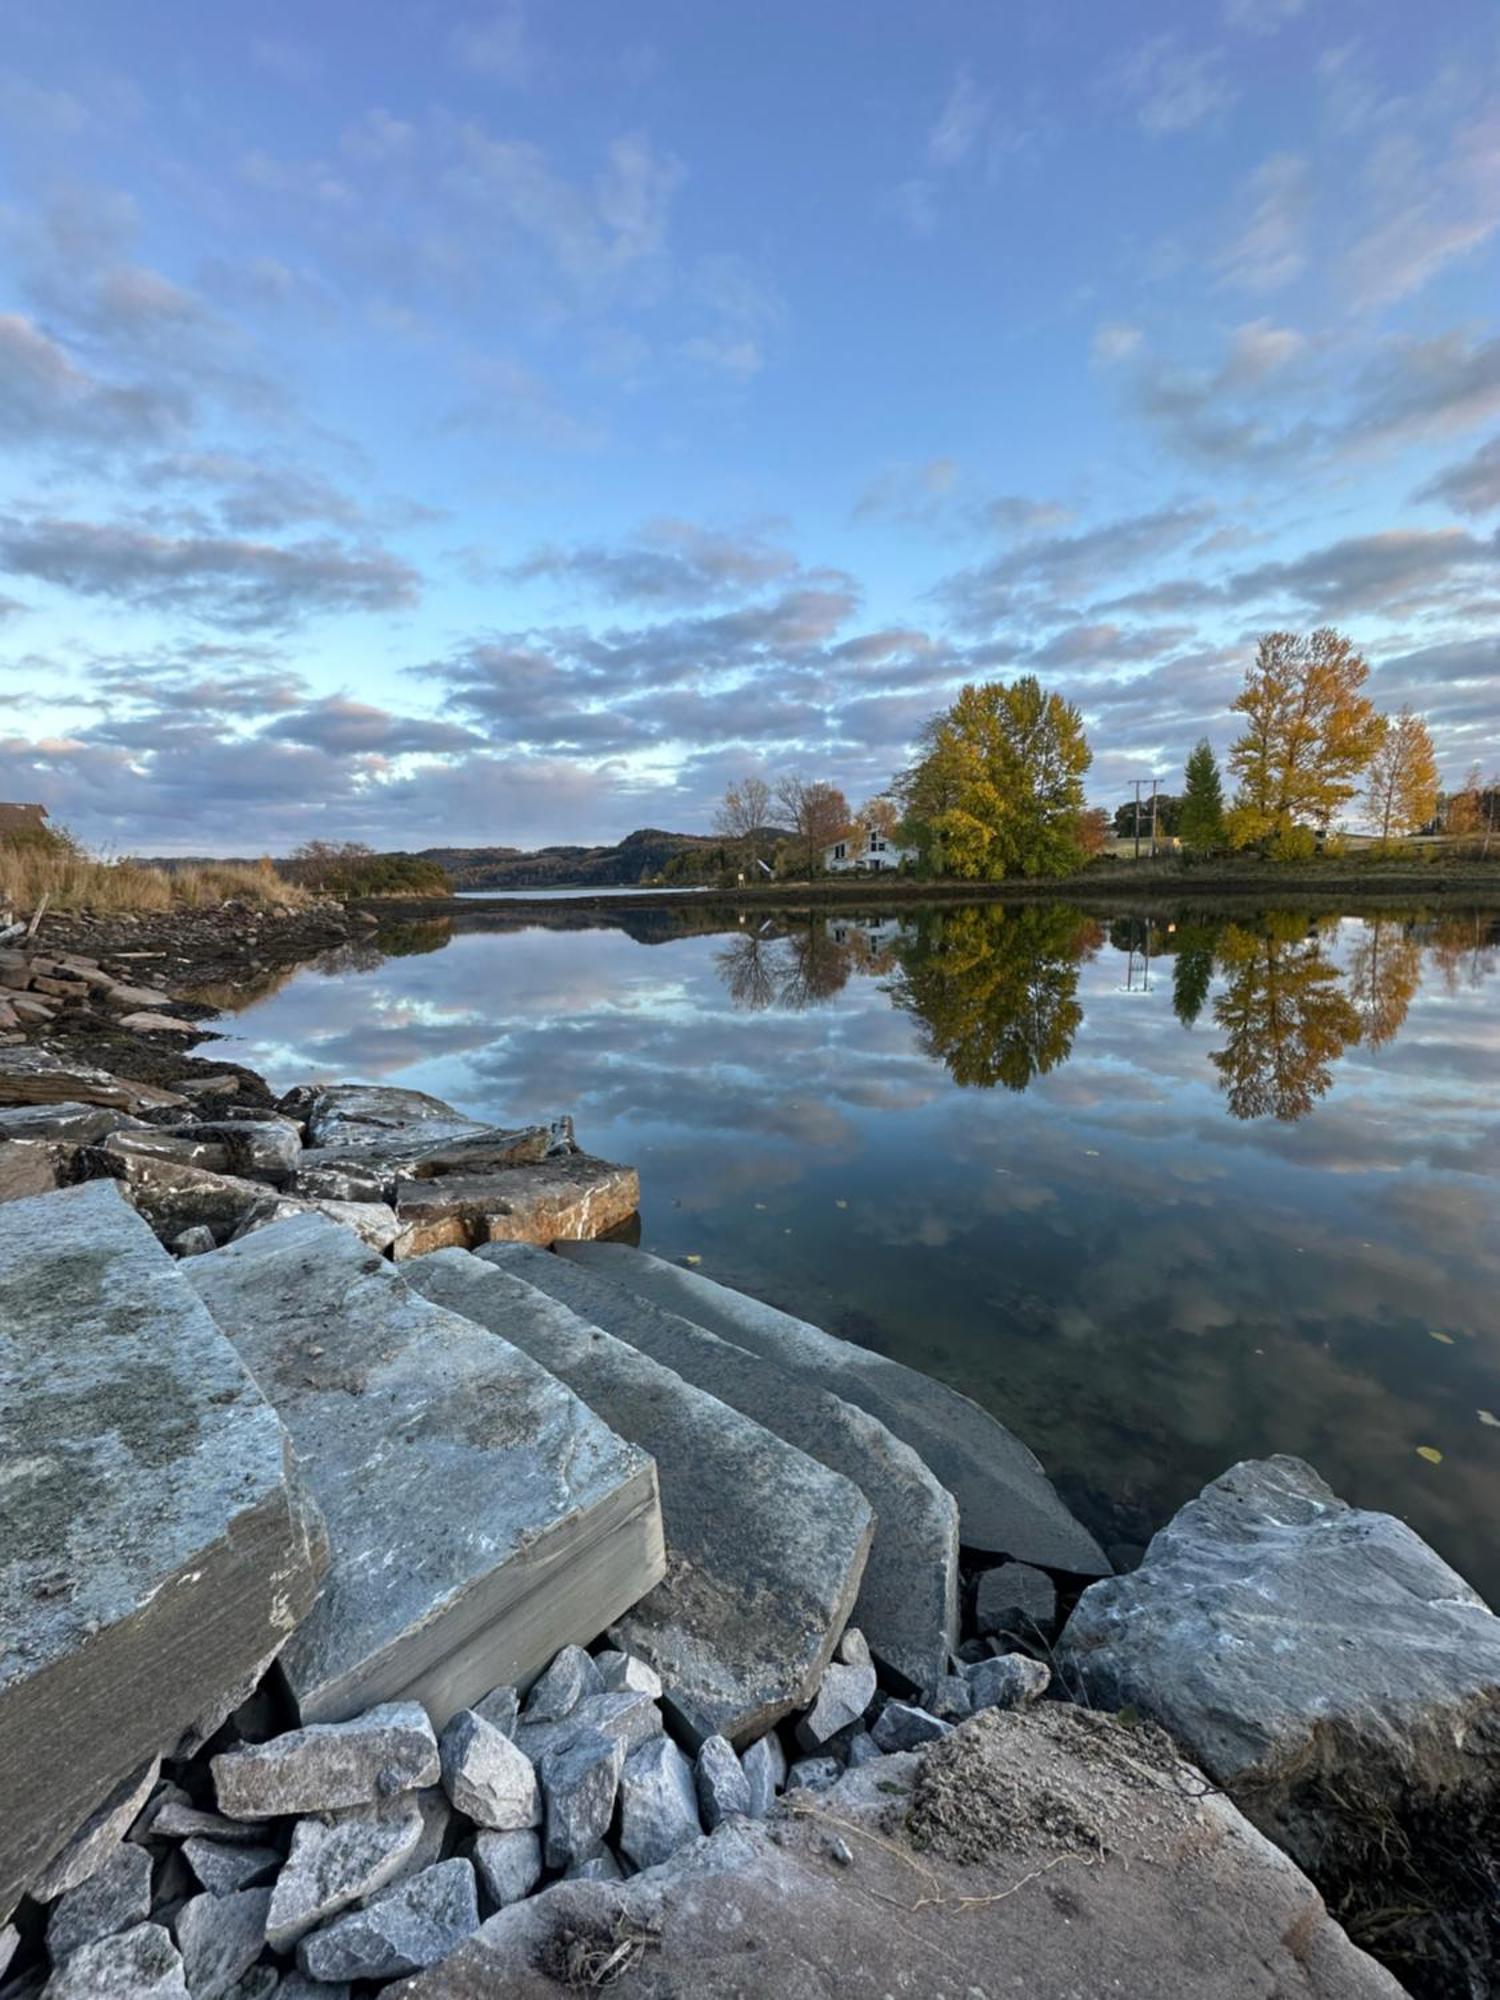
(1161, 1196)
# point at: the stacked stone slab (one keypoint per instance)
(156, 1550)
(1006, 1503)
(479, 1514)
(908, 1599)
(765, 1547)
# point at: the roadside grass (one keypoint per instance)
(54, 869)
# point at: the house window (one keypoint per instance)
(838, 852)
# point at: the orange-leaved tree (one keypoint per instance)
(1309, 734)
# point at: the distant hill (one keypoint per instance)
(640, 857)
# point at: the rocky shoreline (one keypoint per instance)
(407, 1580)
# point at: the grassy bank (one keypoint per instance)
(71, 881)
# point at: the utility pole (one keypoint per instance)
(1137, 854)
(1153, 819)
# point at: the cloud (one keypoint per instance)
(235, 583)
(1398, 569)
(1470, 487)
(1429, 211)
(670, 562)
(960, 123)
(290, 62)
(1114, 341)
(1424, 388)
(983, 596)
(46, 398)
(347, 728)
(1173, 89)
(1271, 246)
(254, 495)
(1261, 17)
(11, 608)
(495, 46)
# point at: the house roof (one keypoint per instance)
(22, 819)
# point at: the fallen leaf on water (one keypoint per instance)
(1489, 1417)
(692, 1260)
(841, 1204)
(1091, 1152)
(1431, 1453)
(1445, 1338)
(760, 1204)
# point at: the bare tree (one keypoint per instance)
(818, 814)
(743, 814)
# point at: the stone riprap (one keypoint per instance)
(1006, 1503)
(479, 1514)
(413, 1924)
(338, 1859)
(157, 1550)
(574, 1197)
(327, 1765)
(30, 1076)
(765, 1547)
(908, 1597)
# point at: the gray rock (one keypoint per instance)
(95, 1841)
(658, 1802)
(416, 1923)
(486, 1152)
(622, 1672)
(1016, 1598)
(156, 1539)
(114, 1898)
(951, 1699)
(574, 1197)
(487, 1777)
(10, 1937)
(480, 1516)
(172, 1197)
(326, 1765)
(601, 1867)
(1011, 1680)
(1319, 1661)
(266, 1149)
(501, 1708)
(175, 1817)
(853, 1649)
(570, 1677)
(222, 1868)
(373, 1222)
(764, 1766)
(902, 1726)
(194, 1242)
(629, 1718)
(139, 1964)
(369, 1118)
(370, 1183)
(509, 1864)
(739, 1506)
(1006, 1503)
(220, 1938)
(70, 1124)
(339, 1860)
(908, 1596)
(32, 1076)
(843, 1696)
(297, 1986)
(438, 1822)
(177, 1148)
(579, 1783)
(814, 1774)
(862, 1749)
(953, 1894)
(721, 1783)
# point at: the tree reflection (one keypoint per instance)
(996, 989)
(803, 969)
(1385, 970)
(1286, 1017)
(1192, 970)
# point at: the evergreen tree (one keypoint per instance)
(1201, 821)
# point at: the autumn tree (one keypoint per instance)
(1385, 970)
(1402, 791)
(1094, 828)
(817, 813)
(1201, 821)
(1285, 1018)
(1465, 810)
(743, 813)
(1309, 734)
(999, 790)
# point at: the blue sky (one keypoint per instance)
(507, 423)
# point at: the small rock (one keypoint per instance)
(387, 1750)
(220, 1938)
(1012, 1680)
(409, 1926)
(658, 1802)
(223, 1868)
(863, 1749)
(559, 1690)
(487, 1777)
(579, 1782)
(509, 1864)
(951, 1699)
(297, 1986)
(195, 1241)
(629, 1717)
(157, 1024)
(115, 1897)
(840, 1851)
(844, 1694)
(10, 1937)
(853, 1649)
(764, 1766)
(622, 1671)
(602, 1867)
(138, 1964)
(437, 1820)
(337, 1861)
(98, 1837)
(177, 1818)
(1017, 1598)
(971, 1652)
(813, 1774)
(500, 1708)
(901, 1726)
(722, 1785)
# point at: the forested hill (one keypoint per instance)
(641, 856)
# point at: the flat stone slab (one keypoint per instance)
(765, 1547)
(575, 1196)
(908, 1600)
(370, 1117)
(1304, 1652)
(157, 1550)
(1049, 1855)
(480, 1515)
(36, 1076)
(329, 1765)
(1006, 1503)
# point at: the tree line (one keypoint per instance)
(997, 787)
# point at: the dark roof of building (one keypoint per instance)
(22, 819)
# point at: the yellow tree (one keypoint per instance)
(1402, 791)
(1285, 1016)
(1309, 733)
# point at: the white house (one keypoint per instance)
(868, 851)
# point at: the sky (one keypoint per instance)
(508, 423)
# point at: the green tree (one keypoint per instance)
(1309, 733)
(999, 790)
(1201, 821)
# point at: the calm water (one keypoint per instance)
(1162, 1197)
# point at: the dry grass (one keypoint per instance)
(72, 880)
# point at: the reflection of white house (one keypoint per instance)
(870, 850)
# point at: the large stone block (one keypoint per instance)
(156, 1550)
(765, 1547)
(37, 1076)
(1006, 1503)
(573, 1197)
(480, 1516)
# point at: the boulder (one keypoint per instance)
(579, 1782)
(174, 1198)
(575, 1196)
(622, 1673)
(1006, 1503)
(261, 1149)
(138, 1964)
(628, 1717)
(558, 1691)
(764, 1547)
(479, 1515)
(908, 1597)
(70, 1124)
(900, 1725)
(1016, 1598)
(415, 1923)
(509, 1865)
(844, 1693)
(125, 999)
(327, 1765)
(658, 1802)
(180, 1149)
(220, 1938)
(157, 1024)
(114, 1898)
(373, 1222)
(814, 1774)
(36, 1076)
(32, 1166)
(338, 1860)
(1050, 1853)
(1010, 1680)
(485, 1151)
(370, 1118)
(158, 1550)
